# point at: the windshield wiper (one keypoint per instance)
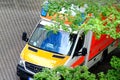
(58, 56)
(32, 49)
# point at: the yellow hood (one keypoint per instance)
(42, 58)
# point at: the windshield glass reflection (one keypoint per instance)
(59, 42)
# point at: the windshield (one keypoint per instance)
(60, 42)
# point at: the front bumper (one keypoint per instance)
(21, 72)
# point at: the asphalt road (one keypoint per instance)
(16, 16)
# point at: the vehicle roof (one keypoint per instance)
(50, 22)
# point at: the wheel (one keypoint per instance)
(21, 78)
(104, 55)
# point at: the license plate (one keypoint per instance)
(30, 78)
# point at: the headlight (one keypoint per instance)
(21, 62)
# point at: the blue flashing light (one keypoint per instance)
(44, 10)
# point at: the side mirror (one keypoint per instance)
(24, 36)
(83, 53)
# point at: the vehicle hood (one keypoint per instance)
(42, 58)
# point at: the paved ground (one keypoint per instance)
(16, 16)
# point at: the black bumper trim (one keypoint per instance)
(21, 72)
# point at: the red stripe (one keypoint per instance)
(78, 62)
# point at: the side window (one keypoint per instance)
(80, 42)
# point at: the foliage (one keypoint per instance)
(107, 9)
(47, 74)
(119, 45)
(79, 73)
(115, 63)
(65, 73)
(112, 74)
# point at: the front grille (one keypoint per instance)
(33, 68)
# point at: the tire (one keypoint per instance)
(21, 78)
(104, 55)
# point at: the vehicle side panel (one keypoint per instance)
(99, 45)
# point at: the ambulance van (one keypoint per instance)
(46, 49)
